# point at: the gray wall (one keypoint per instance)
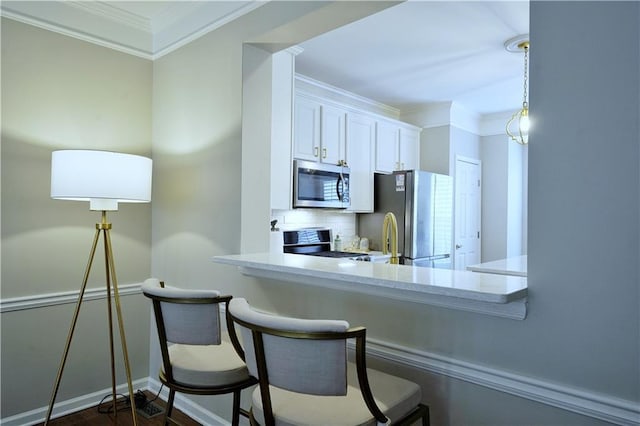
(197, 124)
(495, 172)
(582, 331)
(577, 334)
(435, 149)
(504, 192)
(583, 194)
(59, 92)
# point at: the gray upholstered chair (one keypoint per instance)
(197, 357)
(305, 378)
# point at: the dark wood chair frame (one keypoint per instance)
(167, 378)
(357, 333)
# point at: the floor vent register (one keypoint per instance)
(149, 410)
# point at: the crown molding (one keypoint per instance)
(181, 33)
(106, 25)
(315, 87)
(107, 11)
(74, 34)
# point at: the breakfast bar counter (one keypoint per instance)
(491, 294)
(510, 266)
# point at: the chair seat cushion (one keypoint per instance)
(207, 365)
(395, 396)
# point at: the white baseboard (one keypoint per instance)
(599, 406)
(62, 408)
(193, 410)
(603, 407)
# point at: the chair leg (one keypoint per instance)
(421, 412)
(426, 421)
(235, 421)
(169, 409)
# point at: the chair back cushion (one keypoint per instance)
(309, 366)
(186, 321)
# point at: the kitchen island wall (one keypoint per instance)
(573, 360)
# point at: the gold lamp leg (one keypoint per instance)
(107, 262)
(73, 327)
(103, 227)
(123, 340)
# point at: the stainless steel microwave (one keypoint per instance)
(319, 185)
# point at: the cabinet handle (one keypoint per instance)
(315, 151)
(324, 152)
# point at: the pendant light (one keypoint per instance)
(520, 120)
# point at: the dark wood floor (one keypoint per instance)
(92, 416)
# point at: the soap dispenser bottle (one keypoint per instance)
(337, 243)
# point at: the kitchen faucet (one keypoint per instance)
(390, 222)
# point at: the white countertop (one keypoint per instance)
(511, 266)
(466, 290)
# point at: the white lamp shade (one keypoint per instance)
(101, 177)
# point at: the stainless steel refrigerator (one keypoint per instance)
(423, 205)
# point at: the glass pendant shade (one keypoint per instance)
(521, 117)
(521, 121)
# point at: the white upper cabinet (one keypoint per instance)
(360, 142)
(306, 129)
(326, 130)
(386, 153)
(333, 135)
(319, 131)
(409, 149)
(397, 147)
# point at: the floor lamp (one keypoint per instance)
(104, 179)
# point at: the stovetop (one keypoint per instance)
(333, 253)
(315, 242)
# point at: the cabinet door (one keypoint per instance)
(306, 129)
(333, 135)
(360, 142)
(386, 152)
(409, 152)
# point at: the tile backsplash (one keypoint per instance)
(340, 222)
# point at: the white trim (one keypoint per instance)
(145, 44)
(599, 406)
(114, 14)
(163, 50)
(611, 409)
(314, 87)
(61, 298)
(194, 410)
(75, 34)
(62, 408)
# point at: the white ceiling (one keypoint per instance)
(406, 56)
(426, 51)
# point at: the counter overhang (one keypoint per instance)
(498, 295)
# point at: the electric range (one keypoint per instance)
(315, 242)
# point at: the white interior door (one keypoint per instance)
(468, 192)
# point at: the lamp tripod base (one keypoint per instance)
(102, 228)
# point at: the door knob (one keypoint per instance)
(458, 246)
